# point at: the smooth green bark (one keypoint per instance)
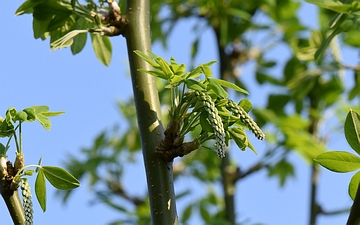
(158, 171)
(15, 208)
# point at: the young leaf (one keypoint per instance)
(44, 121)
(27, 7)
(102, 48)
(245, 104)
(352, 130)
(209, 63)
(240, 138)
(146, 58)
(52, 113)
(228, 84)
(60, 178)
(340, 162)
(195, 85)
(164, 66)
(194, 74)
(40, 189)
(206, 71)
(80, 39)
(216, 87)
(21, 116)
(39, 163)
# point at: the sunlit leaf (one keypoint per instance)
(340, 162)
(60, 178)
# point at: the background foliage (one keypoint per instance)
(300, 99)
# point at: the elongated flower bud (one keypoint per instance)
(215, 120)
(245, 118)
(27, 203)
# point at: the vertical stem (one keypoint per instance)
(313, 128)
(14, 206)
(158, 171)
(227, 181)
(314, 208)
(229, 190)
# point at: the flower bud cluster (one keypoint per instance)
(215, 121)
(245, 118)
(27, 203)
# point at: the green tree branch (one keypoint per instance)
(14, 206)
(158, 171)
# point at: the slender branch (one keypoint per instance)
(314, 207)
(229, 188)
(158, 171)
(226, 72)
(313, 128)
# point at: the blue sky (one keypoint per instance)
(80, 85)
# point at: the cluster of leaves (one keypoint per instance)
(343, 162)
(344, 21)
(67, 23)
(10, 127)
(208, 102)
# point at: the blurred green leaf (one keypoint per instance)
(205, 215)
(355, 91)
(304, 143)
(186, 213)
(336, 6)
(283, 170)
(245, 104)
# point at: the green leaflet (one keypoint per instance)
(353, 185)
(340, 162)
(102, 48)
(352, 130)
(40, 189)
(60, 178)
